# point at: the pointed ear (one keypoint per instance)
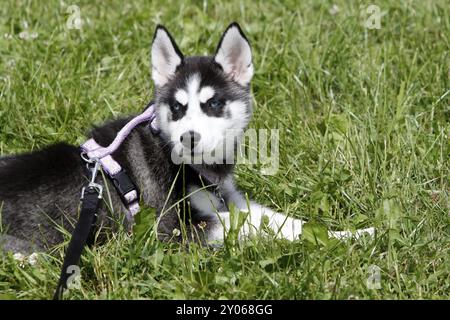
(235, 55)
(166, 56)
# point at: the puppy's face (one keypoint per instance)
(202, 101)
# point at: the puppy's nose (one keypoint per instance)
(190, 139)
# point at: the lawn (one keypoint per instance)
(363, 115)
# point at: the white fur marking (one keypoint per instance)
(213, 130)
(182, 97)
(206, 93)
(192, 88)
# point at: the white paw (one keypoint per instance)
(285, 227)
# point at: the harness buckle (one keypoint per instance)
(92, 184)
(124, 185)
(95, 186)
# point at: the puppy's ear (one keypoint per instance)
(235, 55)
(166, 56)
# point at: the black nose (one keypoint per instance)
(190, 139)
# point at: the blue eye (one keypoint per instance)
(177, 106)
(215, 103)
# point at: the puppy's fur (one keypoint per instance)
(199, 98)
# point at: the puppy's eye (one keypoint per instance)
(215, 103)
(177, 106)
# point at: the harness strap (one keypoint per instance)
(148, 115)
(108, 163)
(122, 182)
(80, 236)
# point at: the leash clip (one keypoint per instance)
(92, 184)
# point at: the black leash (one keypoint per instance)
(91, 198)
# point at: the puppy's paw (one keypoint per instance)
(288, 228)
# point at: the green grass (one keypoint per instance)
(364, 141)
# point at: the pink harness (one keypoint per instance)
(93, 152)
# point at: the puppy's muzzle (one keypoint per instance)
(190, 139)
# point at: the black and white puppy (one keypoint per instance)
(199, 100)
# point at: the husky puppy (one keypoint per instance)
(198, 100)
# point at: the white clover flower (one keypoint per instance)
(27, 35)
(11, 63)
(20, 258)
(33, 259)
(334, 10)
